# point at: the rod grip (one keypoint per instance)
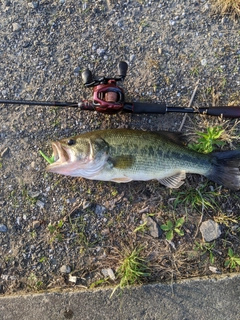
(142, 107)
(226, 111)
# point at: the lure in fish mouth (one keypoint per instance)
(73, 159)
(59, 153)
(123, 155)
(63, 158)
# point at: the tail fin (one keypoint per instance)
(226, 169)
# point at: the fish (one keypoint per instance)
(124, 155)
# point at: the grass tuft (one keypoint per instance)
(133, 268)
(231, 7)
(202, 197)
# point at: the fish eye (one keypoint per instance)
(71, 142)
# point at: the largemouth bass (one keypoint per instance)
(123, 155)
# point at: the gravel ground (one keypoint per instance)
(52, 225)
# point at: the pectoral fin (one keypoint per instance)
(174, 181)
(122, 162)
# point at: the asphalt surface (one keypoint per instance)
(212, 299)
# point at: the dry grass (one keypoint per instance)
(231, 7)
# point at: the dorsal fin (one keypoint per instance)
(177, 137)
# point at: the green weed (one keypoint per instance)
(208, 141)
(34, 283)
(133, 268)
(222, 218)
(42, 259)
(173, 227)
(232, 261)
(142, 228)
(197, 198)
(55, 231)
(194, 71)
(205, 247)
(30, 200)
(33, 234)
(98, 283)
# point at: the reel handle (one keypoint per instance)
(122, 69)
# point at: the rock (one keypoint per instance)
(105, 232)
(16, 26)
(65, 269)
(34, 194)
(214, 270)
(3, 228)
(101, 52)
(153, 227)
(40, 204)
(33, 4)
(76, 71)
(108, 273)
(210, 230)
(132, 57)
(99, 210)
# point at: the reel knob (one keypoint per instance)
(122, 69)
(87, 77)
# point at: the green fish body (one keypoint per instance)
(123, 155)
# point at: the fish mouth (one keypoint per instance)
(60, 154)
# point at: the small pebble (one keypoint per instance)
(65, 269)
(3, 228)
(132, 57)
(153, 227)
(101, 52)
(108, 273)
(214, 270)
(36, 224)
(40, 204)
(33, 5)
(99, 210)
(16, 26)
(105, 232)
(72, 278)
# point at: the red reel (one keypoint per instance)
(108, 98)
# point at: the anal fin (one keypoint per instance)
(174, 181)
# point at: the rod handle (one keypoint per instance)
(142, 107)
(226, 111)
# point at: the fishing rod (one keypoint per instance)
(109, 98)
